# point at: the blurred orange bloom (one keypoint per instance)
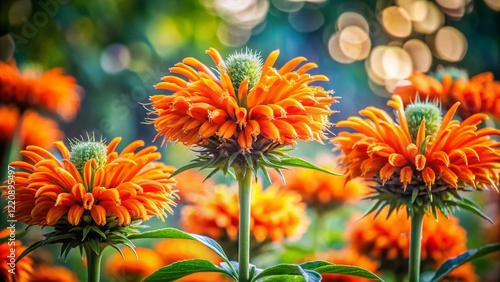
(384, 149)
(51, 90)
(346, 256)
(480, 94)
(226, 116)
(45, 273)
(22, 268)
(275, 214)
(321, 190)
(191, 183)
(132, 267)
(31, 122)
(173, 250)
(387, 240)
(127, 186)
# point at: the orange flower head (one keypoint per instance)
(92, 186)
(45, 273)
(9, 118)
(275, 214)
(132, 267)
(243, 112)
(51, 90)
(479, 94)
(346, 256)
(420, 168)
(323, 191)
(190, 184)
(10, 271)
(388, 239)
(173, 250)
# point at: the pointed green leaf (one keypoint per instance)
(350, 270)
(298, 162)
(172, 233)
(183, 268)
(285, 269)
(314, 264)
(466, 205)
(186, 167)
(414, 194)
(470, 255)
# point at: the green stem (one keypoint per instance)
(415, 246)
(318, 228)
(245, 196)
(93, 264)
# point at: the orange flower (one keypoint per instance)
(387, 239)
(415, 152)
(31, 122)
(243, 108)
(132, 267)
(275, 214)
(191, 183)
(79, 189)
(45, 273)
(321, 190)
(476, 95)
(22, 268)
(347, 256)
(173, 250)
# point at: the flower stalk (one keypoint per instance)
(93, 264)
(415, 246)
(245, 197)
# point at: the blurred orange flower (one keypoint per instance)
(479, 94)
(132, 267)
(413, 152)
(192, 183)
(387, 240)
(346, 256)
(31, 122)
(93, 183)
(45, 273)
(51, 90)
(22, 268)
(173, 250)
(323, 191)
(275, 214)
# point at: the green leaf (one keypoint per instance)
(288, 270)
(284, 278)
(186, 167)
(471, 207)
(351, 270)
(298, 162)
(470, 255)
(183, 268)
(50, 240)
(172, 233)
(414, 195)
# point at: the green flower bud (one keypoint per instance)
(428, 111)
(241, 65)
(83, 151)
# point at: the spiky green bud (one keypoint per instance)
(241, 65)
(83, 151)
(455, 73)
(428, 111)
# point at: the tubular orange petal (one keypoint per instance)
(420, 161)
(75, 214)
(405, 175)
(98, 214)
(55, 213)
(429, 176)
(386, 172)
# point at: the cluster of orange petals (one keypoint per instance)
(322, 189)
(132, 267)
(51, 90)
(131, 185)
(275, 214)
(57, 273)
(30, 133)
(480, 94)
(281, 107)
(23, 268)
(190, 184)
(173, 250)
(387, 239)
(346, 256)
(458, 152)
